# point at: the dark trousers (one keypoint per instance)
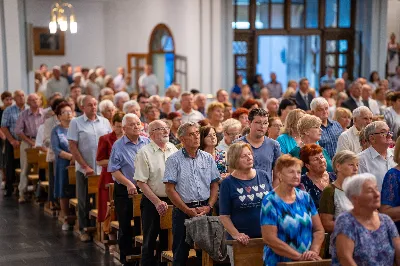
(151, 229)
(10, 165)
(83, 200)
(124, 211)
(180, 248)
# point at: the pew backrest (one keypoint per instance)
(251, 254)
(306, 263)
(71, 174)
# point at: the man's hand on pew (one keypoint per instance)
(162, 208)
(88, 171)
(131, 189)
(310, 255)
(242, 238)
(15, 143)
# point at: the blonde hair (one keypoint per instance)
(342, 157)
(289, 93)
(234, 152)
(214, 105)
(291, 121)
(341, 112)
(307, 122)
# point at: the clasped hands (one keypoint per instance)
(198, 211)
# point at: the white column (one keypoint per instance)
(227, 66)
(206, 47)
(3, 72)
(16, 45)
(216, 51)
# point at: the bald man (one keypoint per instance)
(26, 129)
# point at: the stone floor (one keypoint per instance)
(29, 237)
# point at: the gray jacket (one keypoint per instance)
(209, 234)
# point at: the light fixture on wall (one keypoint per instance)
(58, 18)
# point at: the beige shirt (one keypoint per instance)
(349, 140)
(150, 166)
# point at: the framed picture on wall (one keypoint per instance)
(46, 43)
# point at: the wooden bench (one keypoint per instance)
(93, 189)
(32, 157)
(104, 237)
(17, 155)
(73, 203)
(307, 263)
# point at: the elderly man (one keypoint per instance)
(122, 167)
(200, 101)
(378, 158)
(143, 100)
(303, 95)
(274, 87)
(149, 172)
(349, 139)
(156, 101)
(331, 130)
(232, 128)
(26, 128)
(120, 98)
(340, 85)
(222, 96)
(354, 100)
(8, 122)
(83, 136)
(272, 106)
(57, 83)
(100, 79)
(187, 111)
(266, 151)
(119, 80)
(148, 82)
(366, 93)
(183, 169)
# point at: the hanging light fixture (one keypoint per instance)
(58, 18)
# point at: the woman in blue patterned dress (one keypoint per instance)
(290, 224)
(363, 236)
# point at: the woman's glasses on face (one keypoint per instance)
(384, 134)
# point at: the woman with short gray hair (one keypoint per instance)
(107, 109)
(363, 236)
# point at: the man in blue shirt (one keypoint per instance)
(191, 183)
(331, 130)
(122, 167)
(329, 79)
(266, 151)
(8, 123)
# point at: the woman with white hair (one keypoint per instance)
(363, 236)
(107, 109)
(120, 98)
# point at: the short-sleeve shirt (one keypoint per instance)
(150, 166)
(123, 156)
(330, 136)
(390, 194)
(293, 222)
(194, 116)
(149, 82)
(286, 142)
(241, 200)
(370, 247)
(9, 119)
(334, 201)
(192, 176)
(28, 122)
(87, 133)
(312, 189)
(266, 155)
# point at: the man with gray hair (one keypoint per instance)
(122, 167)
(120, 98)
(340, 85)
(232, 128)
(331, 129)
(349, 139)
(57, 83)
(378, 158)
(187, 111)
(354, 99)
(83, 138)
(191, 183)
(149, 172)
(200, 100)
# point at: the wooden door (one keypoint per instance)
(136, 63)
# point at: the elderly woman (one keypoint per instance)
(316, 179)
(63, 158)
(333, 201)
(107, 109)
(166, 105)
(151, 113)
(103, 154)
(92, 88)
(309, 128)
(242, 114)
(290, 137)
(391, 189)
(176, 121)
(232, 129)
(343, 116)
(274, 127)
(241, 194)
(208, 143)
(120, 98)
(215, 114)
(363, 236)
(250, 104)
(290, 224)
(284, 108)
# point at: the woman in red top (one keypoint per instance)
(103, 154)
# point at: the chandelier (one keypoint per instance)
(59, 18)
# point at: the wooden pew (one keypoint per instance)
(73, 203)
(32, 157)
(307, 263)
(107, 242)
(93, 189)
(136, 223)
(17, 156)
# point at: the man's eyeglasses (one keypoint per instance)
(161, 129)
(233, 135)
(384, 134)
(194, 134)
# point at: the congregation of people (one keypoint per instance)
(310, 171)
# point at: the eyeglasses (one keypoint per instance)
(161, 129)
(384, 134)
(265, 124)
(194, 134)
(233, 135)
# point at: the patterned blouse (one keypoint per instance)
(390, 194)
(307, 185)
(220, 160)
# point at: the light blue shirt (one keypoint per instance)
(123, 156)
(87, 133)
(286, 142)
(192, 176)
(326, 80)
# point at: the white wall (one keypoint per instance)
(2, 78)
(83, 48)
(393, 23)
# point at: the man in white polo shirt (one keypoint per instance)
(148, 82)
(187, 111)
